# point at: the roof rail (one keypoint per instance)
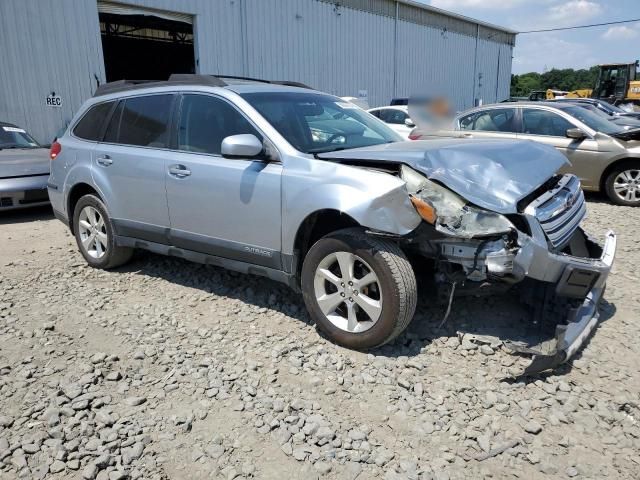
(185, 79)
(120, 85)
(237, 77)
(287, 83)
(174, 79)
(196, 79)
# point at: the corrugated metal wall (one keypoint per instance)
(339, 52)
(435, 62)
(494, 70)
(47, 47)
(342, 49)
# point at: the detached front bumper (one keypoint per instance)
(572, 277)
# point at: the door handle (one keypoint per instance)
(467, 135)
(179, 171)
(104, 160)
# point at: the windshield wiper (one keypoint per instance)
(327, 149)
(627, 134)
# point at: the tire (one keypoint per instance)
(629, 197)
(102, 252)
(392, 296)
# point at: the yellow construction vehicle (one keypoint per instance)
(618, 83)
(581, 93)
(551, 94)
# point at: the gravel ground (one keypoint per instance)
(167, 369)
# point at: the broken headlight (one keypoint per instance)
(449, 212)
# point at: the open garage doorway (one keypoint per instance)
(140, 44)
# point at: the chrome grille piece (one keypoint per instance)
(560, 210)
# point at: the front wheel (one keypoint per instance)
(361, 291)
(95, 236)
(623, 184)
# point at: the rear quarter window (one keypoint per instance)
(90, 125)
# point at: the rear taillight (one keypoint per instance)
(56, 148)
(414, 136)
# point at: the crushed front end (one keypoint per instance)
(560, 271)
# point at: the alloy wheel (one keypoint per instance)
(93, 232)
(348, 292)
(627, 185)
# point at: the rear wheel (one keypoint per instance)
(623, 184)
(95, 235)
(360, 291)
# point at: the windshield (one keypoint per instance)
(602, 106)
(593, 120)
(592, 108)
(315, 123)
(611, 108)
(14, 137)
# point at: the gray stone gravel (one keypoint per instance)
(166, 369)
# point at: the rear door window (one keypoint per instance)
(494, 120)
(90, 125)
(141, 121)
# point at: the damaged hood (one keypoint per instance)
(492, 174)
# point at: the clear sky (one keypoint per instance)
(568, 49)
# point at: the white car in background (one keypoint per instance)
(396, 117)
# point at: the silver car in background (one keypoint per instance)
(24, 169)
(605, 156)
(307, 189)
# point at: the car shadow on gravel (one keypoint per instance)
(490, 320)
(26, 215)
(254, 290)
(597, 197)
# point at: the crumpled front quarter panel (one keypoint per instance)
(492, 174)
(376, 200)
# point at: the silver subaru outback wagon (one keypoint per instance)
(279, 180)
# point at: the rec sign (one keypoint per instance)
(54, 100)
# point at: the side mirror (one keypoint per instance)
(575, 133)
(409, 123)
(241, 146)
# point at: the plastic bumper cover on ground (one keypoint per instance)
(571, 335)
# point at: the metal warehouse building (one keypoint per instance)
(55, 54)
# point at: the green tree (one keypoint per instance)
(557, 79)
(522, 85)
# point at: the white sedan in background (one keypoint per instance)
(397, 117)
